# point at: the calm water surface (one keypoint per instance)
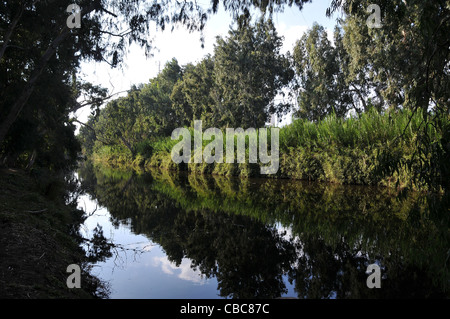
(187, 236)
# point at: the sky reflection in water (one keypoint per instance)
(184, 236)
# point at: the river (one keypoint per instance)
(177, 236)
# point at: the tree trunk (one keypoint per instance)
(127, 145)
(361, 97)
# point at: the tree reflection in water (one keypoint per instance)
(235, 230)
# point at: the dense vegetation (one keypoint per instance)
(350, 126)
(41, 85)
(357, 150)
(404, 65)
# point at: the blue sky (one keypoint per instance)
(186, 48)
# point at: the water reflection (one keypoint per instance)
(254, 235)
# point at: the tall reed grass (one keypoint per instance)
(369, 149)
(367, 129)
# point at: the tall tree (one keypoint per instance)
(193, 96)
(155, 98)
(406, 64)
(353, 89)
(407, 59)
(317, 66)
(116, 122)
(249, 72)
(328, 81)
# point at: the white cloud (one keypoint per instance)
(184, 271)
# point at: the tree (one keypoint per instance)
(35, 41)
(116, 123)
(407, 59)
(249, 72)
(155, 99)
(327, 79)
(87, 136)
(30, 54)
(145, 113)
(193, 96)
(38, 66)
(320, 76)
(353, 89)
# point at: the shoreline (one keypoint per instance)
(37, 243)
(246, 170)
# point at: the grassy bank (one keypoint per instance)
(37, 241)
(371, 149)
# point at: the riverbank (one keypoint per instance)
(36, 240)
(331, 165)
(373, 149)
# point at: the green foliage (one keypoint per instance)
(113, 155)
(390, 137)
(155, 102)
(144, 148)
(363, 150)
(39, 61)
(40, 58)
(320, 70)
(194, 95)
(367, 129)
(249, 71)
(405, 62)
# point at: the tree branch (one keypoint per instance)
(121, 35)
(78, 106)
(108, 12)
(92, 129)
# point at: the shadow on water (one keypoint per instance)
(249, 234)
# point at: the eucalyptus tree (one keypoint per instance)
(116, 122)
(407, 57)
(193, 97)
(249, 72)
(318, 65)
(156, 103)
